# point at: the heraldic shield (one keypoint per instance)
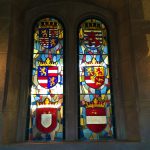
(96, 119)
(47, 76)
(48, 37)
(92, 39)
(94, 76)
(46, 119)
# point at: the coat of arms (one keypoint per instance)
(96, 116)
(46, 119)
(94, 76)
(48, 34)
(47, 74)
(92, 38)
(92, 34)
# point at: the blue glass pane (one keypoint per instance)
(46, 109)
(95, 93)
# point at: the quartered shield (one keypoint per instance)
(46, 119)
(48, 37)
(96, 119)
(47, 76)
(94, 76)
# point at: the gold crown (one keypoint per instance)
(93, 62)
(45, 102)
(93, 25)
(95, 103)
(46, 23)
(48, 62)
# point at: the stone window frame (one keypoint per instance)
(75, 136)
(18, 80)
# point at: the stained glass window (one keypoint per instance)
(46, 109)
(94, 77)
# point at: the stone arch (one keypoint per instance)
(18, 79)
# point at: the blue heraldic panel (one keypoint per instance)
(95, 87)
(46, 121)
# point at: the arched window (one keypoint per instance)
(47, 96)
(93, 48)
(95, 86)
(46, 109)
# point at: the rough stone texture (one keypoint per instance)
(142, 62)
(4, 36)
(80, 146)
(3, 58)
(146, 9)
(126, 74)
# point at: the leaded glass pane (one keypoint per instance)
(46, 109)
(94, 78)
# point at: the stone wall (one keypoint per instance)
(131, 67)
(4, 44)
(126, 74)
(140, 22)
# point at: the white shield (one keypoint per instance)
(46, 120)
